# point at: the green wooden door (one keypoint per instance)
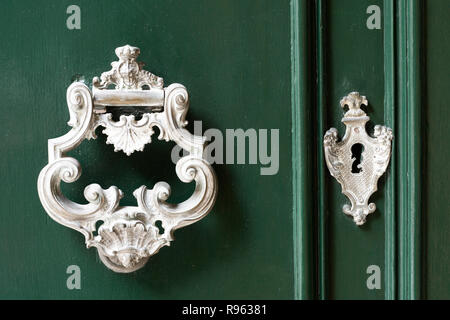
(251, 65)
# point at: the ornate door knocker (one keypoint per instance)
(128, 235)
(357, 176)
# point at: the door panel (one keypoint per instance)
(354, 62)
(234, 59)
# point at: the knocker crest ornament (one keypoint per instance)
(128, 235)
(358, 177)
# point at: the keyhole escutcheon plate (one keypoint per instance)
(358, 160)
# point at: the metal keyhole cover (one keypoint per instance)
(129, 234)
(339, 156)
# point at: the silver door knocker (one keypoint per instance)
(358, 161)
(129, 235)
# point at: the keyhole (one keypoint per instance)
(357, 150)
(160, 227)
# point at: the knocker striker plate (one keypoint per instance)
(358, 177)
(128, 235)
